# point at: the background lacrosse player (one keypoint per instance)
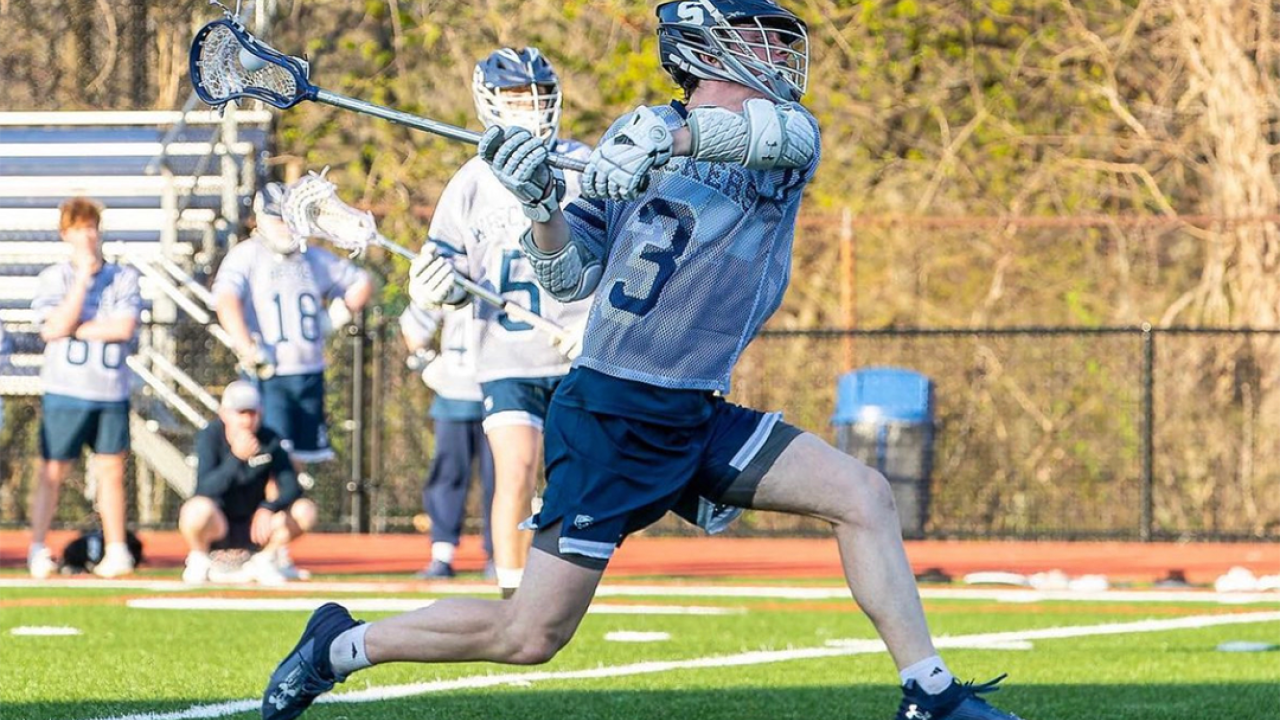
(88, 312)
(685, 226)
(271, 299)
(456, 413)
(476, 230)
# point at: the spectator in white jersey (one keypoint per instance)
(247, 493)
(87, 311)
(270, 294)
(685, 225)
(476, 231)
(456, 412)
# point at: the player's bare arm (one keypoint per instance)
(108, 329)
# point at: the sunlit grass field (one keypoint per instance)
(736, 659)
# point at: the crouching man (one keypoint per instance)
(247, 492)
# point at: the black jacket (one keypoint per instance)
(239, 486)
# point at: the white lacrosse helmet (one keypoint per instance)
(518, 88)
(268, 206)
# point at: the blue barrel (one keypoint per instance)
(885, 417)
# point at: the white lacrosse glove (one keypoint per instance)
(431, 281)
(420, 359)
(619, 167)
(338, 317)
(257, 362)
(570, 345)
(519, 160)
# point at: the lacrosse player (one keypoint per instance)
(270, 294)
(684, 232)
(476, 231)
(88, 312)
(456, 413)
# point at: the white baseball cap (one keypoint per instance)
(241, 395)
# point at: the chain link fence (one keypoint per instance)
(1041, 433)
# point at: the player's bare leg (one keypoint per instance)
(527, 629)
(292, 523)
(44, 503)
(44, 497)
(109, 470)
(201, 524)
(517, 451)
(812, 478)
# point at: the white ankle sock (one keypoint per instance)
(116, 549)
(509, 577)
(347, 654)
(443, 552)
(931, 674)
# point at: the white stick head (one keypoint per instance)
(312, 208)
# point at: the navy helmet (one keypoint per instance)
(518, 88)
(756, 43)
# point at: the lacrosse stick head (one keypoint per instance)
(228, 63)
(312, 208)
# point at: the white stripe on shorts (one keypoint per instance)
(508, 418)
(589, 548)
(752, 446)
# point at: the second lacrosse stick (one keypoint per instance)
(312, 208)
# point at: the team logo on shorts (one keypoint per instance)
(582, 522)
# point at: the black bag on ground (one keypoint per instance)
(84, 552)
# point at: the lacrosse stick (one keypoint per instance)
(229, 63)
(312, 208)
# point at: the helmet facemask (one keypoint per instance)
(534, 107)
(518, 88)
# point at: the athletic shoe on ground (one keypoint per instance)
(284, 563)
(957, 702)
(262, 569)
(437, 570)
(305, 673)
(197, 568)
(114, 564)
(40, 563)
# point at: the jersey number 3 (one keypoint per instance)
(670, 232)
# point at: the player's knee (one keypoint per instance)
(867, 497)
(537, 648)
(304, 513)
(536, 643)
(197, 513)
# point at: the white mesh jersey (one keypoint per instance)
(284, 297)
(88, 369)
(478, 223)
(693, 267)
(452, 374)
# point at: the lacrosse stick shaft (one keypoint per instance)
(516, 312)
(451, 132)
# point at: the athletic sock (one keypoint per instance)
(116, 549)
(931, 674)
(442, 552)
(509, 577)
(347, 654)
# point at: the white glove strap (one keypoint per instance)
(569, 274)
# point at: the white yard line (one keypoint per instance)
(762, 657)
(781, 592)
(386, 605)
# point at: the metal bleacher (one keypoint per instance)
(174, 185)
